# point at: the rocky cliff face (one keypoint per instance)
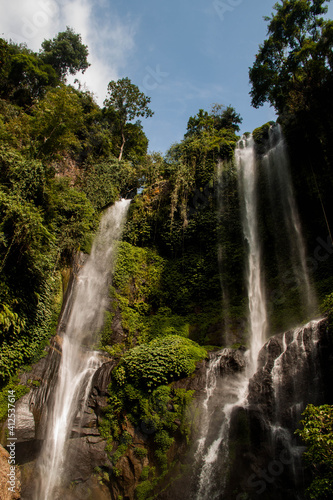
(89, 471)
(292, 370)
(10, 477)
(264, 454)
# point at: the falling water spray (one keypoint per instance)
(78, 363)
(247, 169)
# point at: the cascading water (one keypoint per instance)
(215, 455)
(235, 403)
(246, 162)
(78, 364)
(286, 220)
(295, 381)
(288, 378)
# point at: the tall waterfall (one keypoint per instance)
(214, 453)
(228, 400)
(246, 162)
(286, 220)
(78, 362)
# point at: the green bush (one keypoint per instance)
(143, 490)
(327, 307)
(19, 392)
(161, 361)
(140, 452)
(317, 434)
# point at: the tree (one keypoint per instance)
(294, 65)
(219, 118)
(317, 433)
(4, 62)
(203, 121)
(225, 117)
(29, 78)
(55, 120)
(126, 102)
(24, 77)
(65, 53)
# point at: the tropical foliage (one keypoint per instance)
(317, 434)
(57, 171)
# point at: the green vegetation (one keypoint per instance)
(162, 413)
(65, 53)
(178, 284)
(294, 65)
(293, 72)
(317, 434)
(160, 361)
(327, 308)
(18, 392)
(125, 102)
(57, 172)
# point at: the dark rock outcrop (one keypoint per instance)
(260, 433)
(267, 459)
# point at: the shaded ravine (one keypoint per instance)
(78, 363)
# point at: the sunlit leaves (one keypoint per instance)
(65, 53)
(317, 433)
(295, 59)
(55, 120)
(124, 103)
(162, 360)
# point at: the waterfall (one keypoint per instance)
(78, 363)
(221, 254)
(295, 382)
(246, 162)
(215, 455)
(287, 380)
(211, 382)
(228, 400)
(286, 219)
(221, 396)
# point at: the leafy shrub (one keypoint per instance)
(317, 433)
(140, 452)
(327, 307)
(19, 392)
(143, 489)
(145, 473)
(161, 361)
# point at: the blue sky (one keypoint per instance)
(185, 54)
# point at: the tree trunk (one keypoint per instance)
(122, 145)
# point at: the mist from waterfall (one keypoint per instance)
(286, 218)
(78, 363)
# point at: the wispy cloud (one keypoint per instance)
(182, 94)
(110, 39)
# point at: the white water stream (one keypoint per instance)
(236, 386)
(276, 162)
(213, 454)
(246, 163)
(78, 363)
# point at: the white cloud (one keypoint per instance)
(110, 39)
(29, 21)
